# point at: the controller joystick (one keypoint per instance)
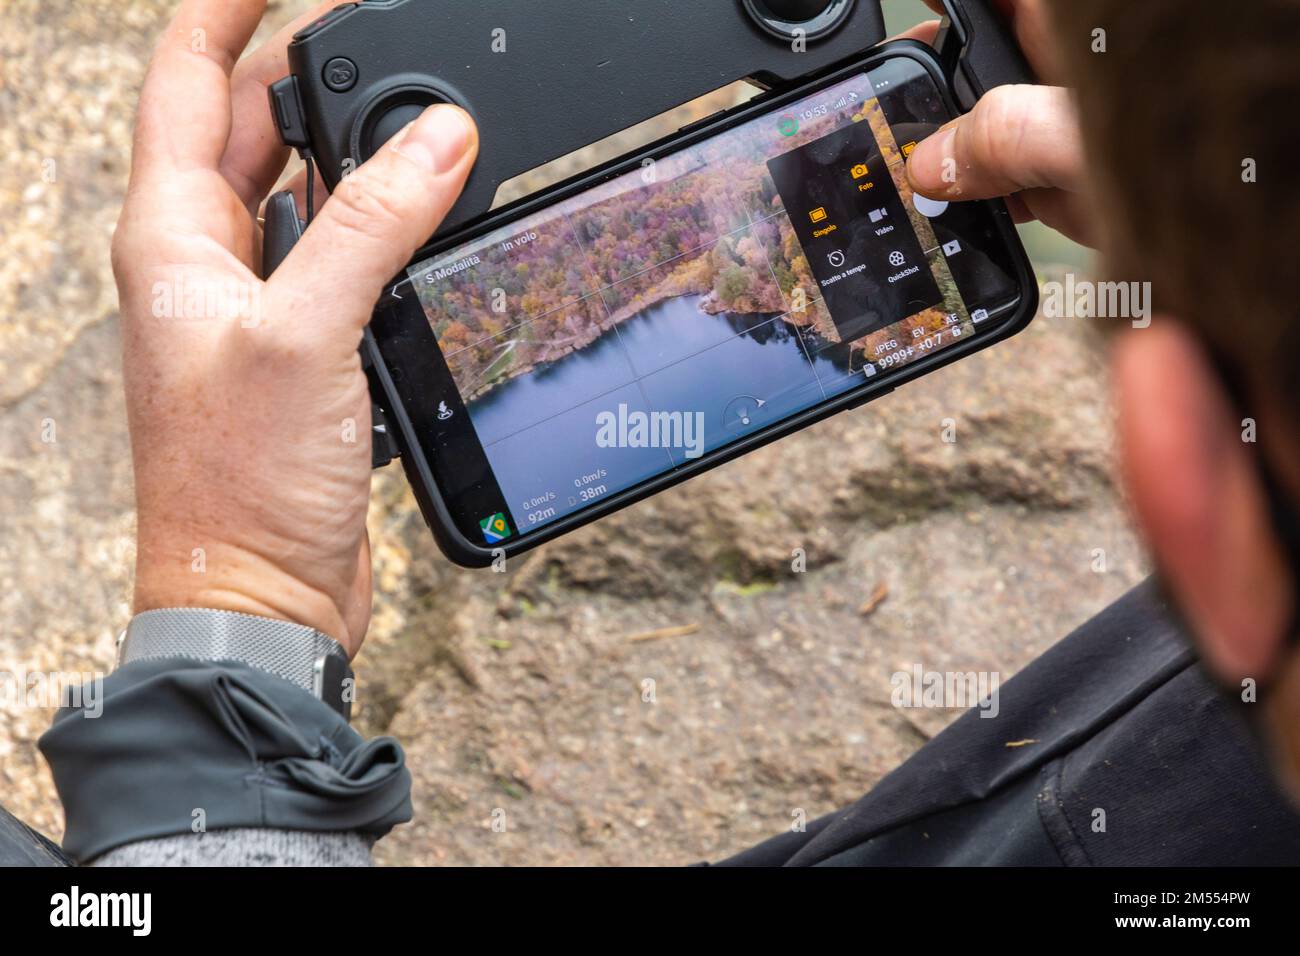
(392, 123)
(797, 11)
(388, 115)
(542, 85)
(795, 19)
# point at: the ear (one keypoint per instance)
(1196, 491)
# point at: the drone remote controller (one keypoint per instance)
(544, 78)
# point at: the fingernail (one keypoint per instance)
(932, 167)
(437, 140)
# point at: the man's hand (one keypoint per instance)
(1021, 142)
(248, 409)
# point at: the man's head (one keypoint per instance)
(1188, 111)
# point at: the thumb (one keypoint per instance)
(377, 217)
(1016, 138)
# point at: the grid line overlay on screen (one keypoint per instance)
(598, 286)
(767, 256)
(613, 285)
(684, 282)
(610, 315)
(635, 377)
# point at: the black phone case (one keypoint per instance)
(401, 430)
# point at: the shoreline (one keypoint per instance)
(642, 311)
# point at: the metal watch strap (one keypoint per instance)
(297, 653)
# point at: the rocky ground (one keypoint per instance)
(662, 687)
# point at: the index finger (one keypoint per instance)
(1016, 138)
(184, 117)
(254, 155)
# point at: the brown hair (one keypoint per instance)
(1188, 99)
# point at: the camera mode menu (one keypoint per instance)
(840, 195)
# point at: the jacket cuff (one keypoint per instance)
(177, 746)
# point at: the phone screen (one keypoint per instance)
(654, 318)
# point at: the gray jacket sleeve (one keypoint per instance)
(260, 768)
(245, 846)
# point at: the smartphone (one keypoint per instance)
(633, 327)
